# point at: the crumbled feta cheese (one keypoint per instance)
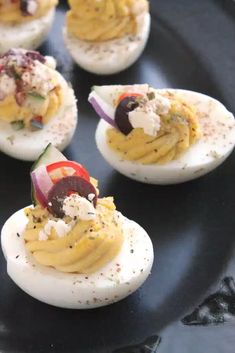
(91, 197)
(77, 206)
(32, 7)
(60, 227)
(7, 85)
(74, 206)
(162, 104)
(149, 122)
(147, 114)
(39, 78)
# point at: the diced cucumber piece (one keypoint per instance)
(111, 93)
(50, 155)
(17, 125)
(35, 103)
(36, 95)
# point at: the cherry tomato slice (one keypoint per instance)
(128, 94)
(79, 170)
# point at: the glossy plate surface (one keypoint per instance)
(191, 225)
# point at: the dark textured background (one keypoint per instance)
(192, 46)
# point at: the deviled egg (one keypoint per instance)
(37, 106)
(72, 249)
(161, 136)
(25, 23)
(106, 37)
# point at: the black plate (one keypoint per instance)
(191, 225)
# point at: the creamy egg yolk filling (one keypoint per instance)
(86, 248)
(179, 129)
(28, 94)
(102, 20)
(11, 10)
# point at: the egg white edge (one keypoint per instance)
(109, 57)
(176, 171)
(69, 290)
(27, 35)
(28, 145)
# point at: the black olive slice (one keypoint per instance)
(62, 188)
(24, 4)
(125, 106)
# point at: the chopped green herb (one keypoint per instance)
(17, 125)
(151, 95)
(36, 95)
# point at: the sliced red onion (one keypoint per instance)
(42, 184)
(39, 195)
(104, 110)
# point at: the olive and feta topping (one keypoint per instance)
(79, 207)
(28, 7)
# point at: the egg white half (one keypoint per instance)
(113, 56)
(28, 145)
(115, 281)
(215, 145)
(27, 35)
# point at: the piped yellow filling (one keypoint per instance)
(33, 107)
(88, 247)
(11, 13)
(102, 20)
(179, 130)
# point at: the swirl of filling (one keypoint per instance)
(178, 130)
(102, 20)
(16, 11)
(74, 246)
(30, 91)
